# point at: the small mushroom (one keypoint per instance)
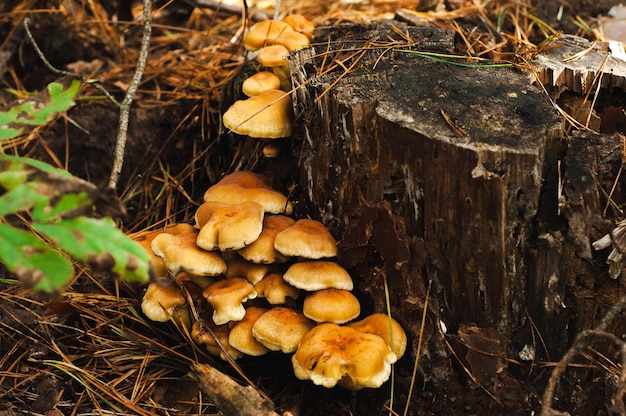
(228, 227)
(308, 239)
(240, 336)
(281, 329)
(385, 327)
(145, 240)
(317, 275)
(181, 253)
(331, 305)
(243, 186)
(330, 354)
(275, 290)
(264, 116)
(160, 301)
(227, 297)
(300, 24)
(264, 33)
(262, 250)
(259, 83)
(273, 56)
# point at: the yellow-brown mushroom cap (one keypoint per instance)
(293, 40)
(308, 239)
(264, 116)
(273, 55)
(265, 33)
(145, 240)
(331, 305)
(281, 329)
(227, 297)
(274, 288)
(159, 302)
(385, 327)
(243, 186)
(240, 336)
(300, 24)
(262, 250)
(181, 253)
(315, 275)
(259, 83)
(330, 353)
(230, 227)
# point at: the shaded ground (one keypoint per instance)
(89, 350)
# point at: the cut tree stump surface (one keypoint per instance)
(456, 152)
(573, 63)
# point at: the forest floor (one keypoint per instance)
(89, 350)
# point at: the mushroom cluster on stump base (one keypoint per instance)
(271, 284)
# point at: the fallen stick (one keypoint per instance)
(231, 398)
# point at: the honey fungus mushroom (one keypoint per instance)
(274, 32)
(281, 329)
(300, 24)
(160, 301)
(385, 327)
(242, 186)
(228, 227)
(181, 253)
(331, 305)
(307, 239)
(227, 297)
(262, 250)
(264, 116)
(275, 290)
(240, 336)
(330, 354)
(315, 275)
(259, 83)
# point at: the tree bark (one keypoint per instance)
(451, 157)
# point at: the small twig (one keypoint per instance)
(277, 10)
(582, 341)
(122, 129)
(62, 72)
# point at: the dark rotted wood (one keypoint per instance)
(564, 275)
(456, 152)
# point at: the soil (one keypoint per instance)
(176, 149)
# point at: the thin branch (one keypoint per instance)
(122, 129)
(62, 72)
(583, 340)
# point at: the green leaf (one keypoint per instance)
(51, 193)
(101, 245)
(66, 205)
(39, 108)
(36, 264)
(9, 162)
(22, 198)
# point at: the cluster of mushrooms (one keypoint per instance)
(249, 279)
(267, 113)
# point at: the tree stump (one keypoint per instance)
(445, 159)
